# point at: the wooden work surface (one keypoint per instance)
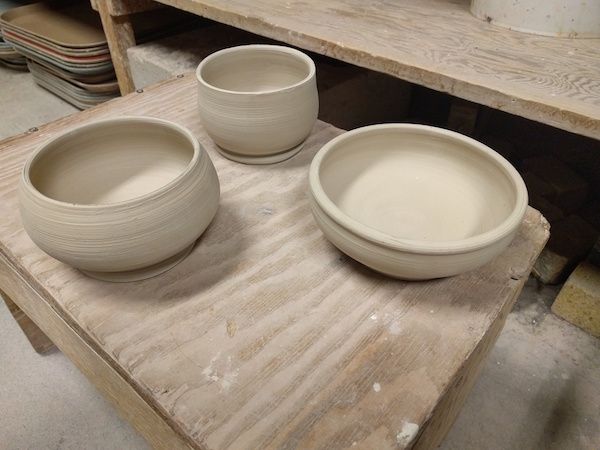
(265, 336)
(434, 43)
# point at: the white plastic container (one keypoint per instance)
(561, 18)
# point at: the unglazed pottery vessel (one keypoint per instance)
(120, 199)
(258, 103)
(560, 18)
(415, 202)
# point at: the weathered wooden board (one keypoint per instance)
(438, 44)
(38, 340)
(266, 336)
(119, 36)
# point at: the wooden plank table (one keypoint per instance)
(434, 43)
(265, 336)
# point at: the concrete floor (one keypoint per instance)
(539, 390)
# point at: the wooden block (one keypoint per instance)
(590, 212)
(569, 190)
(578, 302)
(536, 186)
(539, 191)
(462, 117)
(594, 255)
(570, 241)
(551, 212)
(499, 144)
(36, 337)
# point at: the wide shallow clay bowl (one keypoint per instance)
(415, 202)
(258, 103)
(120, 199)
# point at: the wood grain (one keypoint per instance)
(36, 337)
(438, 44)
(266, 336)
(120, 36)
(115, 389)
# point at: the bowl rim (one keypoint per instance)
(472, 243)
(264, 48)
(67, 134)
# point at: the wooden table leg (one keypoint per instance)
(36, 337)
(115, 17)
(454, 399)
(120, 37)
(98, 367)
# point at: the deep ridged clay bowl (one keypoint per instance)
(259, 102)
(415, 202)
(121, 199)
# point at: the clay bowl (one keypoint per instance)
(120, 199)
(415, 202)
(258, 103)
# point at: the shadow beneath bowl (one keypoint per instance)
(299, 158)
(216, 255)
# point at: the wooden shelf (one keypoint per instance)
(434, 43)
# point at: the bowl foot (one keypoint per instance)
(261, 159)
(141, 274)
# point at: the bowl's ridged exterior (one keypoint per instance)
(128, 235)
(256, 125)
(403, 264)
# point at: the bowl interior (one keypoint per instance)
(110, 162)
(417, 184)
(253, 69)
